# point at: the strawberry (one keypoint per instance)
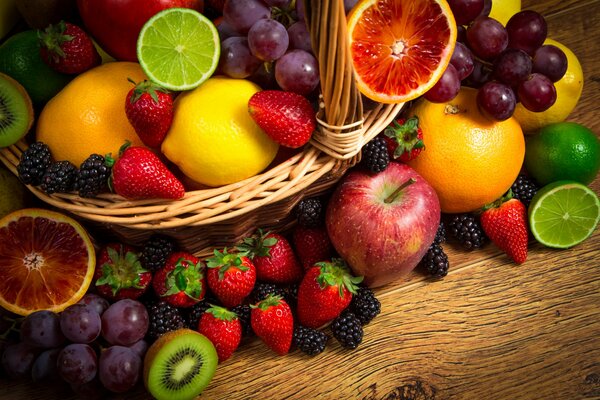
(66, 48)
(119, 273)
(287, 117)
(140, 174)
(404, 139)
(231, 277)
(505, 223)
(272, 321)
(181, 282)
(325, 291)
(149, 109)
(312, 245)
(223, 328)
(273, 257)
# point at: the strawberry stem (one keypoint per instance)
(392, 197)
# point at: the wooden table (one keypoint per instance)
(489, 330)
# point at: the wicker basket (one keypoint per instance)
(209, 218)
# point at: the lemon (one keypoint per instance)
(213, 139)
(502, 10)
(568, 92)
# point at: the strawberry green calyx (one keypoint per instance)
(337, 273)
(223, 260)
(222, 313)
(52, 38)
(258, 245)
(146, 86)
(122, 272)
(497, 203)
(185, 277)
(271, 300)
(406, 135)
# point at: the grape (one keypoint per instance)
(278, 3)
(44, 367)
(268, 39)
(487, 38)
(496, 100)
(551, 61)
(537, 93)
(300, 11)
(480, 75)
(461, 34)
(264, 77)
(77, 363)
(297, 71)
(512, 67)
(125, 322)
(140, 347)
(299, 36)
(226, 31)
(349, 4)
(98, 303)
(446, 88)
(42, 329)
(120, 368)
(17, 359)
(487, 7)
(80, 323)
(242, 14)
(462, 60)
(526, 30)
(236, 59)
(465, 11)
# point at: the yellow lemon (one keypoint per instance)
(213, 139)
(88, 115)
(502, 10)
(568, 92)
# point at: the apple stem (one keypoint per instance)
(394, 195)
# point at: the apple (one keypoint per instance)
(382, 224)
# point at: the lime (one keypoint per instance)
(563, 151)
(563, 214)
(179, 48)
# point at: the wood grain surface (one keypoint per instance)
(489, 330)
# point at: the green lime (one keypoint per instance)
(20, 59)
(178, 48)
(563, 214)
(563, 151)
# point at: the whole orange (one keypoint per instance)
(469, 159)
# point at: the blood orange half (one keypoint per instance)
(400, 48)
(47, 261)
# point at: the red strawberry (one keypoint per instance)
(119, 273)
(272, 321)
(66, 48)
(287, 117)
(325, 291)
(181, 281)
(505, 223)
(231, 277)
(223, 328)
(273, 258)
(149, 109)
(404, 139)
(140, 174)
(312, 245)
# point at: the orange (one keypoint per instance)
(47, 261)
(400, 48)
(468, 159)
(88, 115)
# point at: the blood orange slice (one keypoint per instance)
(47, 261)
(400, 48)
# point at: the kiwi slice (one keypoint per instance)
(179, 365)
(16, 111)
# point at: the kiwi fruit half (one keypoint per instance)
(179, 365)
(16, 111)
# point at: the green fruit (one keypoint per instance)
(563, 151)
(13, 195)
(20, 58)
(16, 111)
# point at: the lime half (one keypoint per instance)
(178, 48)
(563, 214)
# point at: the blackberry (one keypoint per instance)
(163, 318)
(347, 330)
(435, 261)
(33, 163)
(291, 295)
(243, 313)
(365, 305)
(375, 155)
(440, 234)
(309, 341)
(524, 188)
(310, 213)
(59, 177)
(93, 176)
(467, 230)
(156, 250)
(262, 290)
(195, 312)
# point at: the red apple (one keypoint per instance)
(382, 224)
(116, 24)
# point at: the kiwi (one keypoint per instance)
(179, 365)
(16, 111)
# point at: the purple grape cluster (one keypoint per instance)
(507, 65)
(267, 41)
